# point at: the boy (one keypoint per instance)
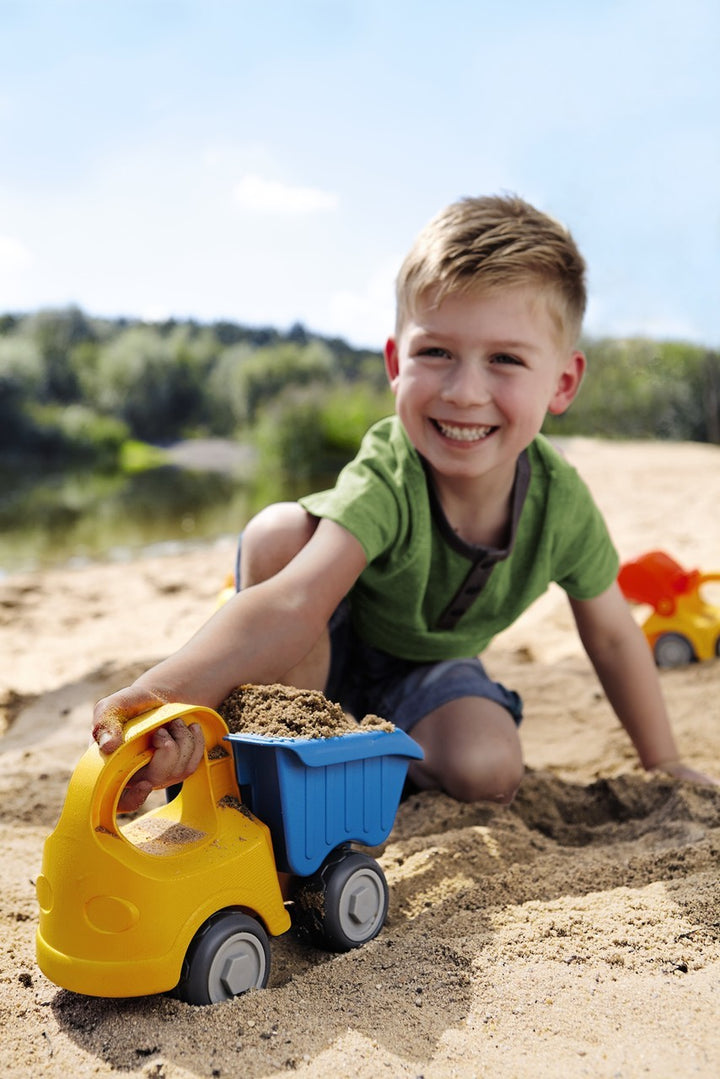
(454, 516)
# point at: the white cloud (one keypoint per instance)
(14, 255)
(271, 196)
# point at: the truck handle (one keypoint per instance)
(102, 778)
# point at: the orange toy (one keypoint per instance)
(682, 628)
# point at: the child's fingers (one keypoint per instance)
(158, 772)
(678, 770)
(178, 751)
(198, 748)
(134, 795)
(111, 713)
(107, 728)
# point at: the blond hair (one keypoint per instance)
(482, 244)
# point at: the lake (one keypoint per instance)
(74, 517)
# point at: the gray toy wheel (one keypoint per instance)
(228, 955)
(673, 650)
(344, 905)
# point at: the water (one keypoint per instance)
(71, 518)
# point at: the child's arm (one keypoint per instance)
(619, 653)
(257, 636)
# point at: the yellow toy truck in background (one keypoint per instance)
(184, 897)
(683, 627)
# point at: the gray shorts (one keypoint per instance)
(365, 680)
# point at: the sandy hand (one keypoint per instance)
(177, 748)
(112, 713)
(678, 770)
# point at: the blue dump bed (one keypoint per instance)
(317, 793)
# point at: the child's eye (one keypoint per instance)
(434, 352)
(506, 358)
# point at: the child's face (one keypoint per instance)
(474, 377)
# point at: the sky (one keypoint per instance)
(270, 162)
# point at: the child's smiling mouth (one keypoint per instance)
(463, 432)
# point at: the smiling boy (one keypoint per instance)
(454, 516)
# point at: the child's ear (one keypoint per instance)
(392, 361)
(568, 384)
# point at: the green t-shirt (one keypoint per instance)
(424, 594)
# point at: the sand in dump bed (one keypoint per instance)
(279, 711)
(575, 933)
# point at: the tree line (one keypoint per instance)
(76, 389)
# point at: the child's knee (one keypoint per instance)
(492, 776)
(472, 751)
(272, 538)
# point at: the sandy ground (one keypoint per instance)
(576, 933)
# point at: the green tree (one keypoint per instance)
(225, 390)
(289, 438)
(21, 375)
(151, 381)
(637, 388)
(711, 396)
(55, 332)
(272, 370)
(310, 431)
(75, 434)
(346, 413)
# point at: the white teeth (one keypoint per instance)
(463, 434)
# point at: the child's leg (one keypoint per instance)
(269, 541)
(472, 751)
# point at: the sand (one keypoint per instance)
(278, 711)
(575, 933)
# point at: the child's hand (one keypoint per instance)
(178, 749)
(678, 770)
(112, 713)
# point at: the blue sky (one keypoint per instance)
(271, 161)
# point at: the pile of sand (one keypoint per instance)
(575, 933)
(285, 712)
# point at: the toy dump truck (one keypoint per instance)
(184, 897)
(682, 628)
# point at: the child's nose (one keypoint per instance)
(466, 385)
